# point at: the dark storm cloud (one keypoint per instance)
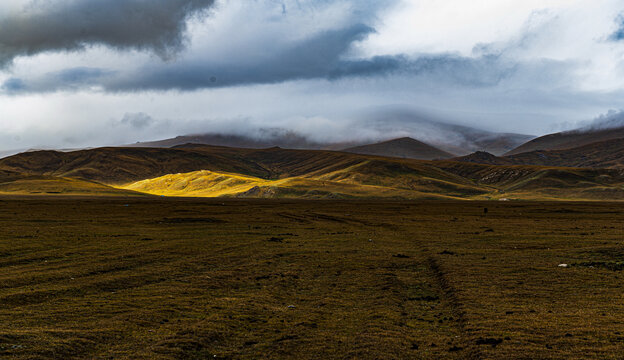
(319, 57)
(46, 25)
(314, 57)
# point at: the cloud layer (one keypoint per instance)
(67, 25)
(269, 42)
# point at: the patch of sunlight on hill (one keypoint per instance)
(202, 183)
(214, 184)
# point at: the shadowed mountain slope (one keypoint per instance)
(569, 140)
(402, 148)
(50, 185)
(538, 182)
(604, 154)
(122, 165)
(482, 157)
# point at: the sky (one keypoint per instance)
(77, 73)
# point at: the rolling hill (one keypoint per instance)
(569, 139)
(122, 165)
(199, 170)
(540, 182)
(604, 154)
(402, 148)
(483, 157)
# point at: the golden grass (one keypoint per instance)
(215, 184)
(198, 183)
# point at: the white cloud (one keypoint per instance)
(574, 31)
(432, 26)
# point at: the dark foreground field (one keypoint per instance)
(196, 279)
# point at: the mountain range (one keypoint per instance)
(402, 168)
(200, 170)
(455, 140)
(603, 154)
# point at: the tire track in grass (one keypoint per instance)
(449, 295)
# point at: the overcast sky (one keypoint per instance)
(79, 73)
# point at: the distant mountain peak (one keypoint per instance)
(404, 147)
(483, 157)
(570, 139)
(405, 138)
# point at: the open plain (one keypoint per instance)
(151, 278)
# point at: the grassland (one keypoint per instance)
(150, 278)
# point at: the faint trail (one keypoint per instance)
(309, 218)
(449, 294)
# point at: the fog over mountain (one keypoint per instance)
(80, 73)
(603, 128)
(375, 125)
(612, 119)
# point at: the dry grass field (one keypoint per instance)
(149, 278)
